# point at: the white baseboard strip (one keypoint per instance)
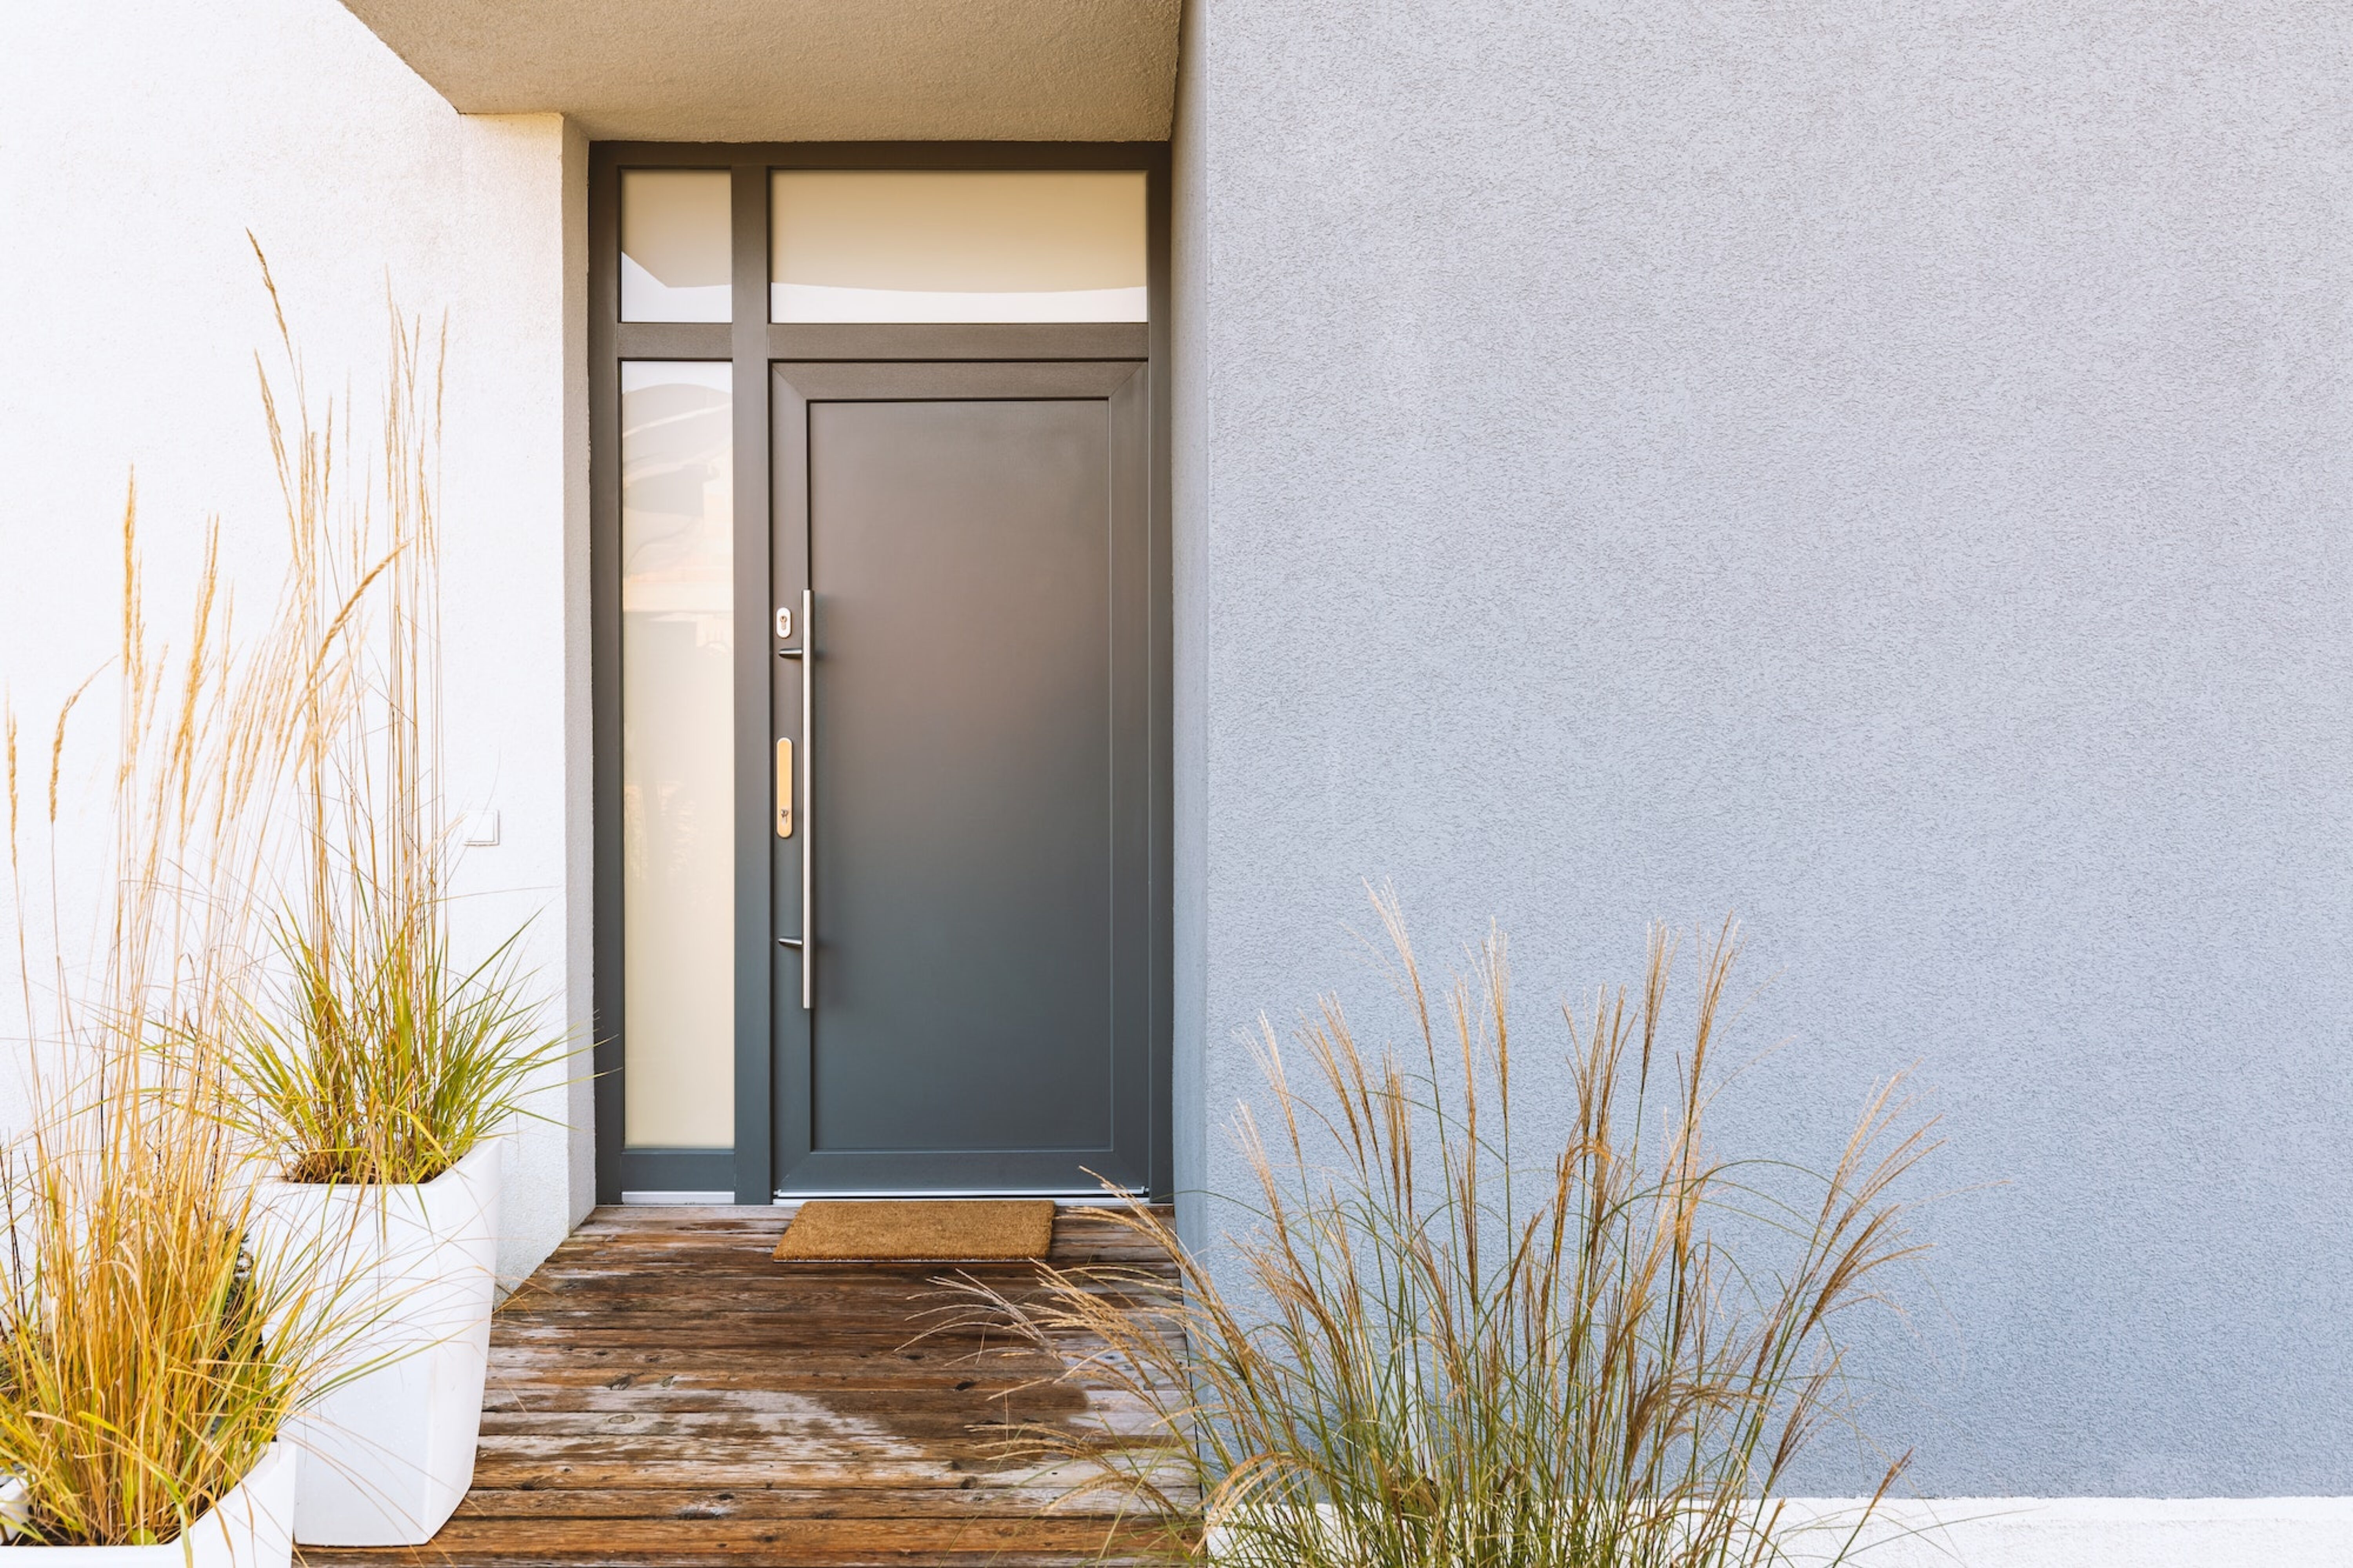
(2065, 1532)
(724, 1198)
(2097, 1532)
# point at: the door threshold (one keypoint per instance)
(1064, 1199)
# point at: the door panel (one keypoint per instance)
(975, 536)
(964, 925)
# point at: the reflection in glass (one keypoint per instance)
(674, 245)
(968, 245)
(677, 754)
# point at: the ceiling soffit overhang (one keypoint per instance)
(801, 71)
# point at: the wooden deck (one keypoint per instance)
(662, 1392)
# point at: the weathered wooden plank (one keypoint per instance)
(765, 1502)
(753, 1263)
(758, 1266)
(864, 1301)
(589, 1335)
(620, 1367)
(517, 1338)
(1071, 1249)
(729, 1466)
(755, 1330)
(575, 1402)
(781, 1544)
(549, 1367)
(818, 1376)
(969, 1430)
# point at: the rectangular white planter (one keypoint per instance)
(249, 1528)
(390, 1453)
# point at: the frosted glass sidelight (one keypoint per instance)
(674, 245)
(678, 840)
(966, 246)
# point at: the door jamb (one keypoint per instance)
(751, 343)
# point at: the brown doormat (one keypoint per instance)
(927, 1230)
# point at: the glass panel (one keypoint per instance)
(898, 246)
(677, 847)
(674, 245)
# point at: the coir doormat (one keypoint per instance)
(921, 1230)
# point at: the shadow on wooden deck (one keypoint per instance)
(662, 1392)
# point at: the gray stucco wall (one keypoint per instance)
(1882, 469)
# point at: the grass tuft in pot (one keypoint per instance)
(1439, 1342)
(149, 1351)
(383, 1060)
(151, 1347)
(368, 1053)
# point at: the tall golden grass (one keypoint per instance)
(149, 1351)
(152, 1342)
(371, 1055)
(1432, 1348)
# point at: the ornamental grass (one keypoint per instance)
(150, 1346)
(366, 1052)
(1437, 1341)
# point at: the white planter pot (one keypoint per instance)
(249, 1528)
(390, 1453)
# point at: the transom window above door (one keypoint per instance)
(893, 245)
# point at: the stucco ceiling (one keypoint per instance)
(815, 70)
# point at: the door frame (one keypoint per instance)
(753, 344)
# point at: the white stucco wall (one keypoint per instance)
(139, 140)
(1884, 469)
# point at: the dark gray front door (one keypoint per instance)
(974, 779)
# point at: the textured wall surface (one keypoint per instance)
(814, 70)
(139, 142)
(1882, 469)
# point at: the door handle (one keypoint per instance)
(784, 789)
(805, 943)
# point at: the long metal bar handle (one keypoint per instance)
(808, 801)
